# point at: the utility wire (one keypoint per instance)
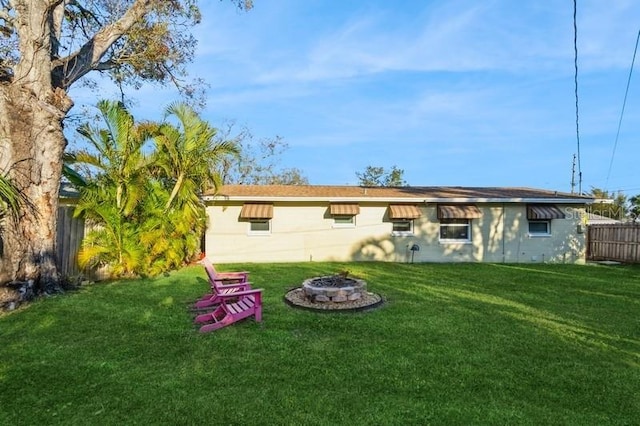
(575, 79)
(624, 103)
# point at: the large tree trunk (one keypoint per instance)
(31, 147)
(33, 143)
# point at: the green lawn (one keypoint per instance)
(453, 344)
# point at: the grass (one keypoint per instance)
(453, 344)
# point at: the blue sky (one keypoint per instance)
(454, 92)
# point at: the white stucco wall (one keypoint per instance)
(305, 232)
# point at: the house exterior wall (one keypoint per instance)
(305, 231)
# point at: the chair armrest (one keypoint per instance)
(231, 274)
(237, 285)
(241, 293)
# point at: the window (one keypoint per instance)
(344, 221)
(402, 216)
(344, 214)
(259, 216)
(260, 227)
(539, 228)
(455, 230)
(402, 227)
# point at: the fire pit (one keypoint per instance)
(333, 292)
(333, 288)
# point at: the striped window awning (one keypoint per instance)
(404, 211)
(544, 212)
(344, 209)
(458, 211)
(256, 211)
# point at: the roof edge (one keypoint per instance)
(400, 199)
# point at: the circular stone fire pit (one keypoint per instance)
(334, 288)
(333, 292)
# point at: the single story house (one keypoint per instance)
(278, 223)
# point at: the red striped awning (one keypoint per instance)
(344, 209)
(458, 211)
(257, 211)
(404, 211)
(544, 212)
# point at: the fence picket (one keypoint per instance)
(617, 242)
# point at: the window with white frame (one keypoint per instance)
(539, 228)
(260, 226)
(258, 216)
(455, 230)
(401, 227)
(344, 221)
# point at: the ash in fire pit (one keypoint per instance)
(333, 288)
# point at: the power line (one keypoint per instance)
(624, 103)
(575, 79)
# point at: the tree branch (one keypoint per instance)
(75, 66)
(85, 12)
(56, 16)
(6, 17)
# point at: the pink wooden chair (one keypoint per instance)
(232, 307)
(224, 277)
(217, 282)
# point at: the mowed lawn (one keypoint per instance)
(453, 344)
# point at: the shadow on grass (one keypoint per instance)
(625, 349)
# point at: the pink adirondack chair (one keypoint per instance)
(218, 287)
(224, 277)
(233, 307)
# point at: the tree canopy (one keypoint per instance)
(131, 40)
(609, 204)
(257, 161)
(378, 176)
(634, 207)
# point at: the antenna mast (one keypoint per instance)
(573, 175)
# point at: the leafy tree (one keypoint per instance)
(634, 207)
(257, 162)
(378, 176)
(291, 176)
(614, 209)
(46, 47)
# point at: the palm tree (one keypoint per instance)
(185, 161)
(147, 208)
(111, 201)
(10, 197)
(120, 161)
(188, 155)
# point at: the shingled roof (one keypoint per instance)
(408, 193)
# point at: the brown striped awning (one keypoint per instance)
(544, 212)
(256, 211)
(458, 211)
(404, 211)
(344, 209)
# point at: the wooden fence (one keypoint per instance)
(68, 239)
(617, 242)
